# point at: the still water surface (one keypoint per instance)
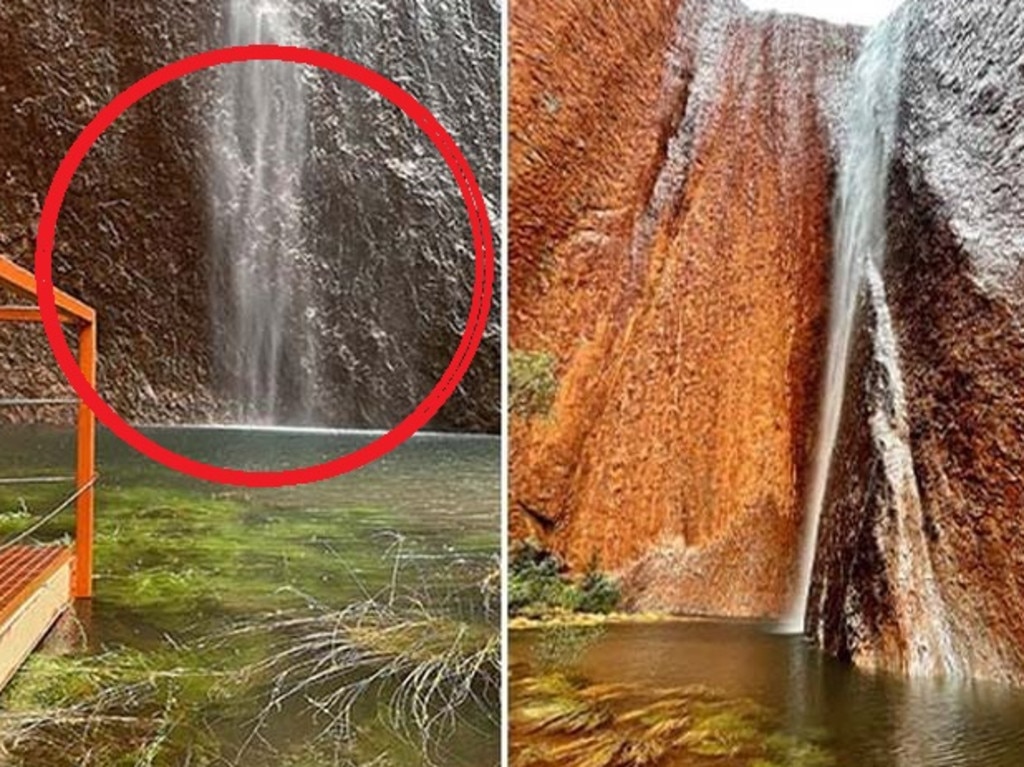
(863, 719)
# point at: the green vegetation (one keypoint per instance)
(122, 707)
(563, 647)
(174, 706)
(532, 382)
(539, 585)
(557, 720)
(260, 630)
(431, 667)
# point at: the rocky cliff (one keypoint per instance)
(920, 567)
(131, 235)
(671, 183)
(671, 238)
(387, 240)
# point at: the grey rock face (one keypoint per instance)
(920, 564)
(387, 244)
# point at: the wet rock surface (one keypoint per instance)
(920, 567)
(389, 243)
(130, 237)
(670, 239)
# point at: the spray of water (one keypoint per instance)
(860, 239)
(258, 148)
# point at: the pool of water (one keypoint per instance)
(858, 718)
(180, 561)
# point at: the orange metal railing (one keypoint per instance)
(77, 315)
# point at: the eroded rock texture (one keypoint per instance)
(131, 233)
(387, 243)
(920, 563)
(670, 240)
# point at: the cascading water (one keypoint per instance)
(860, 239)
(342, 262)
(261, 287)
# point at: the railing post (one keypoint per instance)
(85, 467)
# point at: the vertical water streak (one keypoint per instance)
(702, 29)
(859, 238)
(261, 287)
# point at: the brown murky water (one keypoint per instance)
(802, 708)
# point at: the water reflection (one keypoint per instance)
(865, 719)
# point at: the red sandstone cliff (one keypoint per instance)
(669, 247)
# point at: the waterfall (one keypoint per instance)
(341, 258)
(859, 239)
(261, 288)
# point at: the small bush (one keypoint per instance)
(539, 585)
(532, 382)
(535, 581)
(599, 594)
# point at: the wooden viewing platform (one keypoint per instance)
(39, 582)
(35, 589)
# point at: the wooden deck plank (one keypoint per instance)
(35, 589)
(22, 569)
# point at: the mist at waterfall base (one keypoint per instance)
(341, 258)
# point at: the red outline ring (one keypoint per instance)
(478, 219)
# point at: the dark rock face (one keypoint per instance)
(389, 243)
(670, 234)
(131, 234)
(394, 243)
(920, 562)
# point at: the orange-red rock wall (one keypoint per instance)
(669, 245)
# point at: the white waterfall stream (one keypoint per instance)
(259, 146)
(859, 238)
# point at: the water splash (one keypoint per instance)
(860, 239)
(260, 284)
